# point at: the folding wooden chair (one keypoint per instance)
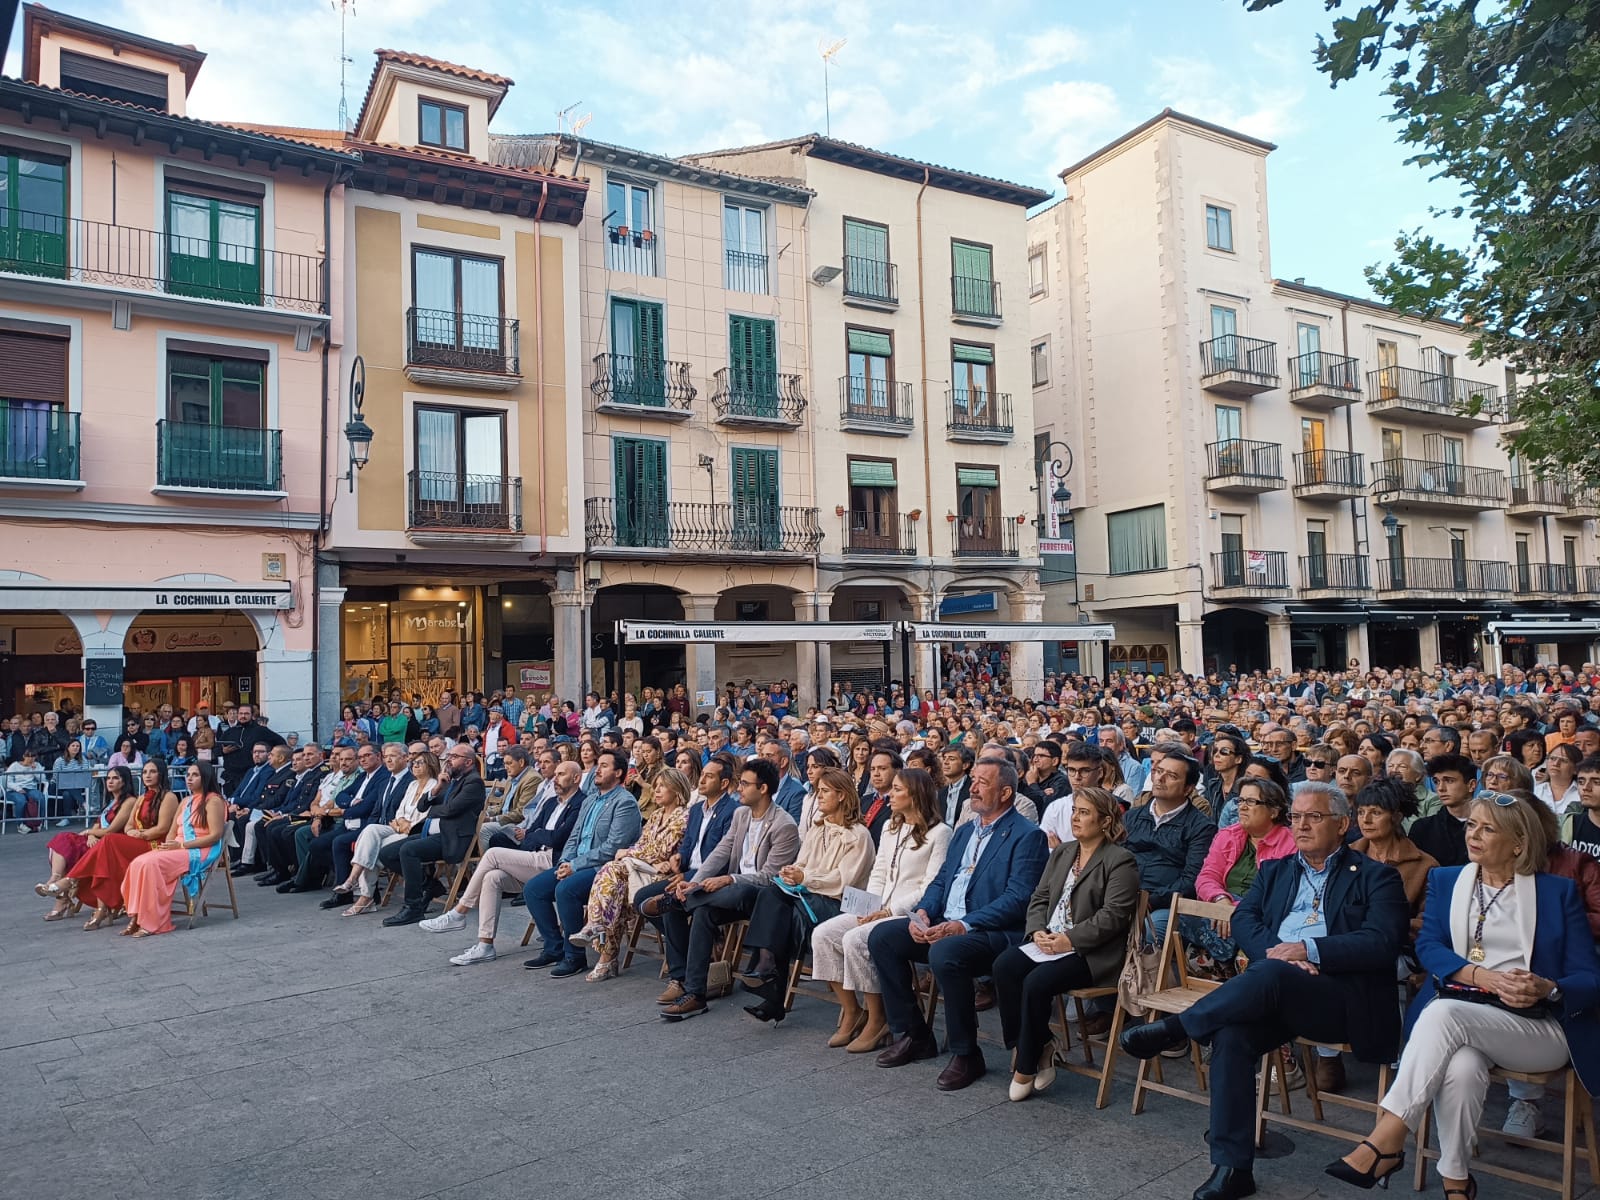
(1276, 1059)
(462, 871)
(1104, 1073)
(1176, 992)
(198, 905)
(1577, 1117)
(638, 926)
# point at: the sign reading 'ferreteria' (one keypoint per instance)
(638, 632)
(103, 597)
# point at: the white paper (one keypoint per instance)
(1040, 956)
(860, 903)
(433, 825)
(352, 823)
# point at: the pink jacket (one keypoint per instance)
(1225, 849)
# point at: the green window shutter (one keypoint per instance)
(864, 341)
(756, 523)
(640, 496)
(862, 240)
(872, 474)
(972, 262)
(977, 477)
(753, 362)
(973, 354)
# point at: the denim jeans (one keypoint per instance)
(557, 907)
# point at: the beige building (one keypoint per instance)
(1268, 473)
(922, 415)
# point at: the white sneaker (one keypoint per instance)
(1522, 1120)
(480, 952)
(445, 922)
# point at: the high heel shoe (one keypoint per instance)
(1470, 1191)
(767, 1010)
(606, 968)
(1366, 1180)
(867, 1041)
(843, 1037)
(101, 918)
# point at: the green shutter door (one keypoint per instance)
(753, 364)
(866, 259)
(213, 248)
(641, 491)
(974, 278)
(33, 209)
(756, 524)
(639, 350)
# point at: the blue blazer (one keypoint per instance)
(1003, 881)
(617, 826)
(367, 808)
(708, 838)
(390, 797)
(1563, 950)
(791, 795)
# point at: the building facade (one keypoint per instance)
(1268, 473)
(923, 417)
(165, 329)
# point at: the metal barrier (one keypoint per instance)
(72, 798)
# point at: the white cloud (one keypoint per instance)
(1251, 102)
(1066, 119)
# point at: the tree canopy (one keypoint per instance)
(1503, 99)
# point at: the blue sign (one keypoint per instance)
(978, 602)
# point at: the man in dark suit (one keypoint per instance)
(957, 764)
(452, 821)
(974, 909)
(377, 804)
(276, 829)
(356, 802)
(246, 805)
(1322, 931)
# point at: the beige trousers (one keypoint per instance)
(498, 869)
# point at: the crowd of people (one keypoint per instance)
(1367, 830)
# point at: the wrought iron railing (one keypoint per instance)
(1341, 468)
(971, 411)
(1451, 576)
(190, 454)
(1428, 391)
(995, 538)
(1556, 578)
(1530, 489)
(70, 248)
(872, 532)
(446, 500)
(1238, 456)
(1591, 581)
(1335, 572)
(745, 272)
(631, 251)
(1232, 353)
(875, 401)
(1438, 478)
(642, 382)
(740, 527)
(1319, 369)
(1250, 569)
(437, 337)
(740, 394)
(871, 279)
(974, 296)
(37, 441)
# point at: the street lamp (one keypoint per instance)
(356, 431)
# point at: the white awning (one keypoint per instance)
(669, 632)
(1002, 631)
(1584, 627)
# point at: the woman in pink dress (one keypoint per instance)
(184, 858)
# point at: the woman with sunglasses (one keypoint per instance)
(1512, 977)
(1225, 764)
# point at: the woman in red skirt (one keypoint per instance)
(67, 849)
(97, 878)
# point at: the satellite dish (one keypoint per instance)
(1427, 482)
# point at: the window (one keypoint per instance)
(33, 214)
(757, 521)
(978, 518)
(1569, 556)
(1316, 573)
(640, 488)
(1037, 280)
(1041, 363)
(91, 75)
(972, 280)
(1222, 352)
(867, 270)
(38, 437)
(1524, 563)
(1388, 373)
(461, 467)
(440, 124)
(1511, 383)
(638, 353)
(630, 227)
(744, 244)
(1313, 435)
(874, 505)
(1230, 420)
(752, 367)
(206, 390)
(870, 386)
(1458, 557)
(215, 434)
(214, 247)
(1219, 228)
(1230, 572)
(1136, 539)
(1308, 340)
(972, 384)
(456, 318)
(1391, 443)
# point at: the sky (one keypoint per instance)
(1017, 89)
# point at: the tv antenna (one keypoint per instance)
(568, 124)
(347, 8)
(829, 52)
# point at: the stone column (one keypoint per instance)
(330, 648)
(924, 655)
(1358, 644)
(102, 635)
(1280, 650)
(1027, 658)
(284, 683)
(700, 658)
(1428, 651)
(813, 660)
(1191, 646)
(567, 605)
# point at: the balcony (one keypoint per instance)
(752, 400)
(38, 446)
(1583, 502)
(1591, 583)
(1246, 574)
(1404, 577)
(1323, 381)
(974, 301)
(1329, 475)
(620, 528)
(1334, 576)
(630, 251)
(877, 535)
(1238, 366)
(73, 251)
(986, 539)
(1437, 401)
(452, 349)
(871, 283)
(880, 406)
(1535, 497)
(625, 386)
(1546, 581)
(246, 463)
(1446, 486)
(451, 509)
(745, 272)
(1243, 468)
(977, 416)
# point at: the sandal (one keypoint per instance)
(60, 912)
(142, 933)
(360, 908)
(606, 968)
(132, 930)
(101, 918)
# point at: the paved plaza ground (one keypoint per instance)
(292, 1053)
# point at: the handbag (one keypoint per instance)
(1539, 1010)
(1140, 968)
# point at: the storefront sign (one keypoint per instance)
(644, 632)
(93, 597)
(144, 639)
(976, 602)
(1055, 546)
(1012, 632)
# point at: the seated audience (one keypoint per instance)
(97, 877)
(1260, 835)
(1442, 836)
(67, 849)
(451, 816)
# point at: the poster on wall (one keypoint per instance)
(531, 674)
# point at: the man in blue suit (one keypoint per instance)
(379, 806)
(357, 804)
(791, 788)
(974, 909)
(1322, 931)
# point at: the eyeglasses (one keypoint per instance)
(1308, 818)
(1488, 775)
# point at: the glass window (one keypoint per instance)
(33, 210)
(1037, 283)
(215, 391)
(744, 242)
(1041, 363)
(457, 307)
(213, 247)
(460, 455)
(873, 515)
(871, 367)
(978, 508)
(441, 124)
(630, 227)
(1137, 539)
(1219, 228)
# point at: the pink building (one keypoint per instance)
(166, 351)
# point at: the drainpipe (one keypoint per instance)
(538, 352)
(323, 521)
(922, 334)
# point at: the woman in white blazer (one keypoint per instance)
(910, 852)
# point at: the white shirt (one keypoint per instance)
(1545, 792)
(1057, 819)
(752, 838)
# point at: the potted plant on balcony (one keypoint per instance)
(838, 510)
(915, 514)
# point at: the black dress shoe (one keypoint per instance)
(545, 959)
(239, 869)
(567, 967)
(964, 1070)
(406, 916)
(339, 897)
(909, 1050)
(1227, 1183)
(287, 886)
(1149, 1040)
(297, 888)
(767, 1010)
(272, 879)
